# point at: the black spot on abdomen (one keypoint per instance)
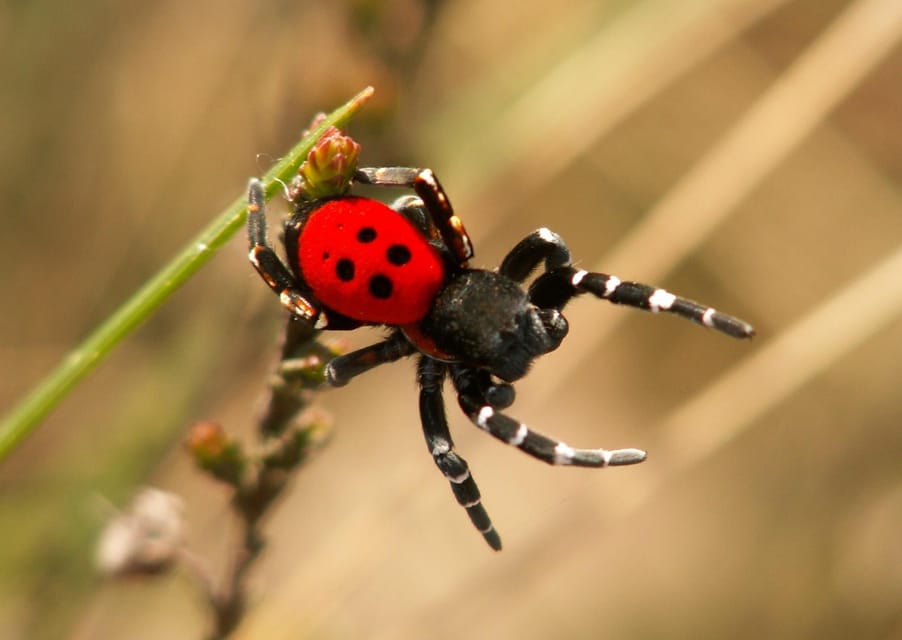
(381, 286)
(344, 269)
(366, 234)
(398, 254)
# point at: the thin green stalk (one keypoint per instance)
(24, 417)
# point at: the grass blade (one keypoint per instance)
(35, 406)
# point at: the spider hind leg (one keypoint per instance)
(342, 369)
(434, 199)
(268, 264)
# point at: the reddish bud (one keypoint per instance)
(328, 169)
(215, 452)
(206, 440)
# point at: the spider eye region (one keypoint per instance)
(484, 318)
(366, 261)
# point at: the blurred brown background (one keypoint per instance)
(746, 153)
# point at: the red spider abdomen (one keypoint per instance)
(368, 262)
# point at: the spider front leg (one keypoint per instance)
(267, 262)
(431, 376)
(481, 412)
(542, 244)
(555, 288)
(561, 282)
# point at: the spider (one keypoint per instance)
(353, 261)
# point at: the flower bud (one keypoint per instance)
(328, 169)
(214, 451)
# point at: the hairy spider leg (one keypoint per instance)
(412, 208)
(267, 263)
(541, 244)
(517, 434)
(555, 288)
(427, 187)
(561, 282)
(431, 376)
(344, 368)
(497, 393)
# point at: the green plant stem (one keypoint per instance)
(25, 416)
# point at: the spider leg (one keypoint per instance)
(341, 370)
(499, 394)
(427, 187)
(522, 260)
(561, 282)
(267, 262)
(412, 208)
(517, 434)
(555, 288)
(431, 376)
(542, 244)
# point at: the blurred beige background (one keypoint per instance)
(745, 153)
